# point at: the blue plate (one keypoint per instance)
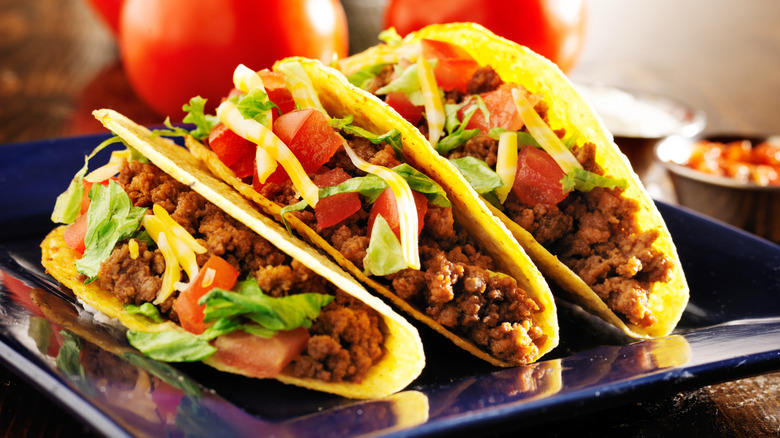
(729, 330)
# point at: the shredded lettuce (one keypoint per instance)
(68, 203)
(384, 255)
(111, 217)
(458, 134)
(363, 77)
(391, 137)
(390, 37)
(584, 181)
(478, 174)
(247, 308)
(196, 114)
(256, 106)
(480, 177)
(146, 309)
(407, 82)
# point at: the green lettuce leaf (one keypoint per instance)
(68, 203)
(249, 301)
(255, 106)
(384, 255)
(111, 217)
(362, 77)
(407, 82)
(584, 181)
(146, 309)
(478, 174)
(196, 114)
(171, 345)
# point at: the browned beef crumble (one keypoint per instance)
(455, 286)
(596, 234)
(346, 339)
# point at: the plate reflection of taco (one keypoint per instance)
(197, 274)
(339, 176)
(511, 123)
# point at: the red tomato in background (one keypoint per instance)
(175, 49)
(108, 11)
(552, 28)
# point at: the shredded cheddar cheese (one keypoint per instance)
(132, 245)
(506, 163)
(434, 107)
(109, 169)
(407, 211)
(246, 80)
(543, 134)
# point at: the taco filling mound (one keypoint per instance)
(193, 282)
(387, 222)
(343, 342)
(463, 89)
(596, 232)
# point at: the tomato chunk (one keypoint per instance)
(273, 82)
(334, 209)
(409, 111)
(386, 206)
(75, 233)
(235, 151)
(187, 307)
(502, 109)
(260, 357)
(538, 178)
(455, 66)
(310, 138)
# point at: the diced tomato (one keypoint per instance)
(386, 206)
(334, 209)
(409, 111)
(260, 357)
(538, 178)
(310, 138)
(273, 82)
(75, 233)
(85, 197)
(187, 307)
(454, 67)
(502, 109)
(235, 151)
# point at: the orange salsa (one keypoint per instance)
(739, 160)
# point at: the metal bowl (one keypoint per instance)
(747, 205)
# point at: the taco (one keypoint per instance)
(195, 273)
(379, 215)
(511, 123)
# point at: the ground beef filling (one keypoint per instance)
(596, 234)
(345, 340)
(456, 285)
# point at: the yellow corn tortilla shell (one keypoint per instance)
(341, 99)
(403, 358)
(520, 65)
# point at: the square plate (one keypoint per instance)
(729, 330)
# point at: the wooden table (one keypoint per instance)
(58, 62)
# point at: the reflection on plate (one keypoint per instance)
(729, 330)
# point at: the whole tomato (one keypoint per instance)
(173, 50)
(108, 11)
(552, 28)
